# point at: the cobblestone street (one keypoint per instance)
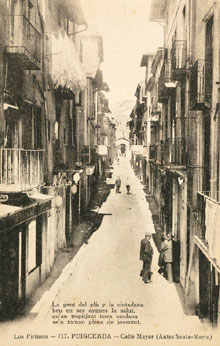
(107, 271)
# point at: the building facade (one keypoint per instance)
(183, 145)
(48, 137)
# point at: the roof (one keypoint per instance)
(144, 60)
(122, 138)
(158, 56)
(157, 10)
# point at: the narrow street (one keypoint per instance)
(98, 98)
(107, 271)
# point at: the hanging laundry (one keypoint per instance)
(66, 67)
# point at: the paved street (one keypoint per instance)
(107, 271)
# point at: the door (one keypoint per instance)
(204, 286)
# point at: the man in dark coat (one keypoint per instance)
(118, 185)
(146, 255)
(166, 255)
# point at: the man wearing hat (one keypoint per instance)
(146, 255)
(166, 253)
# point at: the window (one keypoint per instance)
(184, 23)
(64, 136)
(31, 12)
(56, 130)
(27, 131)
(11, 6)
(209, 60)
(37, 128)
(48, 130)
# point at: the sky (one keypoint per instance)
(127, 35)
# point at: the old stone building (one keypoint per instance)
(48, 136)
(182, 145)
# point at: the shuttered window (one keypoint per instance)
(27, 127)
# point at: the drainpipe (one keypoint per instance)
(191, 31)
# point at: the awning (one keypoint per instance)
(7, 209)
(66, 67)
(39, 196)
(31, 206)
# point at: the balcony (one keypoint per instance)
(197, 85)
(159, 154)
(208, 220)
(156, 152)
(165, 77)
(152, 152)
(178, 60)
(85, 154)
(174, 151)
(20, 169)
(25, 43)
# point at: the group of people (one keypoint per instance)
(165, 257)
(146, 250)
(118, 185)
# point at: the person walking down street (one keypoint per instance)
(161, 262)
(128, 186)
(166, 256)
(118, 185)
(146, 255)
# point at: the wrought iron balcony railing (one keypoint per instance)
(197, 85)
(200, 85)
(155, 152)
(178, 60)
(20, 169)
(165, 77)
(174, 151)
(25, 43)
(207, 203)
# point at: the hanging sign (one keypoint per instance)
(58, 201)
(76, 177)
(74, 189)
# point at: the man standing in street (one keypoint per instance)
(128, 186)
(118, 185)
(166, 254)
(146, 255)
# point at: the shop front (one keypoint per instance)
(24, 244)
